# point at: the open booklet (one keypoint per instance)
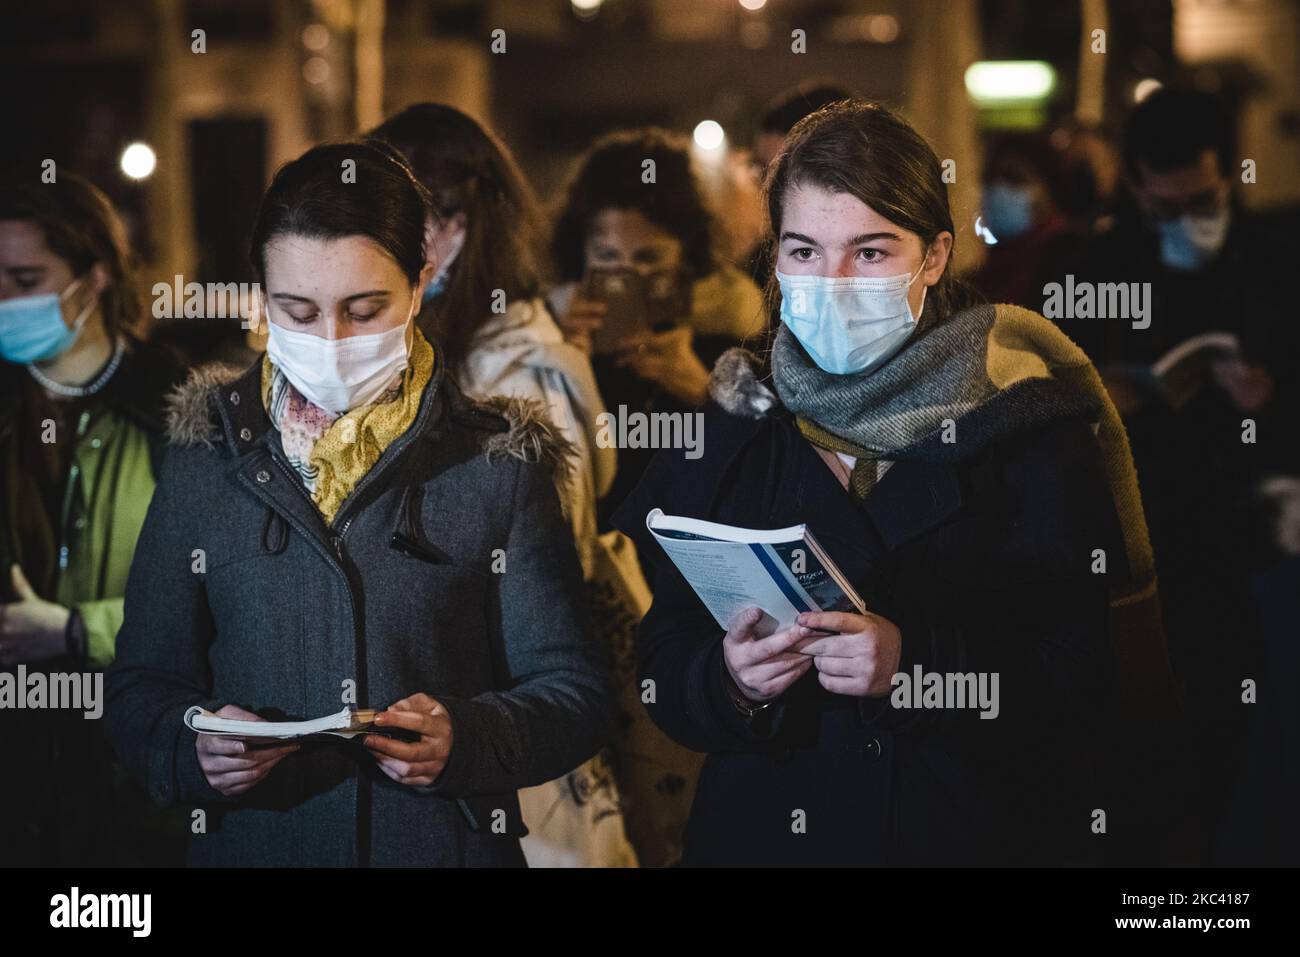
(348, 723)
(783, 571)
(1183, 372)
(1187, 368)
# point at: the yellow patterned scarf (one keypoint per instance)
(333, 453)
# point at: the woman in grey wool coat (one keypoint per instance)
(337, 526)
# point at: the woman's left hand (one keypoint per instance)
(417, 763)
(860, 660)
(668, 359)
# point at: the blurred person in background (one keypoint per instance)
(733, 188)
(783, 111)
(1090, 162)
(1212, 268)
(786, 109)
(1023, 184)
(1212, 265)
(483, 306)
(81, 445)
(612, 218)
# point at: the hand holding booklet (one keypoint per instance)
(783, 571)
(347, 723)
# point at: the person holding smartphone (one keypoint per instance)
(963, 467)
(613, 219)
(337, 526)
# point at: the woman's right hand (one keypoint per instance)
(234, 765)
(583, 318)
(763, 668)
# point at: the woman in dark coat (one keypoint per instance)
(966, 472)
(337, 526)
(81, 444)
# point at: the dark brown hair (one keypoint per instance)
(871, 153)
(82, 228)
(308, 197)
(466, 169)
(609, 177)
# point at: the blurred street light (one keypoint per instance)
(1144, 88)
(993, 82)
(709, 135)
(138, 161)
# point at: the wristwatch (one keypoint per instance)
(744, 705)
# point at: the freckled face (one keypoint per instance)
(837, 235)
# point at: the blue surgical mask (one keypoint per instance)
(1008, 210)
(32, 327)
(1189, 242)
(849, 325)
(438, 284)
(435, 288)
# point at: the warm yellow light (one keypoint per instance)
(315, 36)
(316, 70)
(709, 134)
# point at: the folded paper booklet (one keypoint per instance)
(347, 723)
(783, 571)
(1185, 369)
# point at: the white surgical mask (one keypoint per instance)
(850, 324)
(341, 374)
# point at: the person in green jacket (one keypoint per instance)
(81, 438)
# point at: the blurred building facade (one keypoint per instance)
(224, 91)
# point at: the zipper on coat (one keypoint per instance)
(69, 491)
(358, 627)
(336, 543)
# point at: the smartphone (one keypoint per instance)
(635, 303)
(668, 298)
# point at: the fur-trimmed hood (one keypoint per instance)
(508, 426)
(735, 386)
(190, 413)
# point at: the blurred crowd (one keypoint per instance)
(1218, 356)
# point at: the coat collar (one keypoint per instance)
(221, 403)
(912, 498)
(139, 389)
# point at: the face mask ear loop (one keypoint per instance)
(84, 314)
(924, 259)
(76, 281)
(921, 311)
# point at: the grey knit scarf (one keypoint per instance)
(899, 410)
